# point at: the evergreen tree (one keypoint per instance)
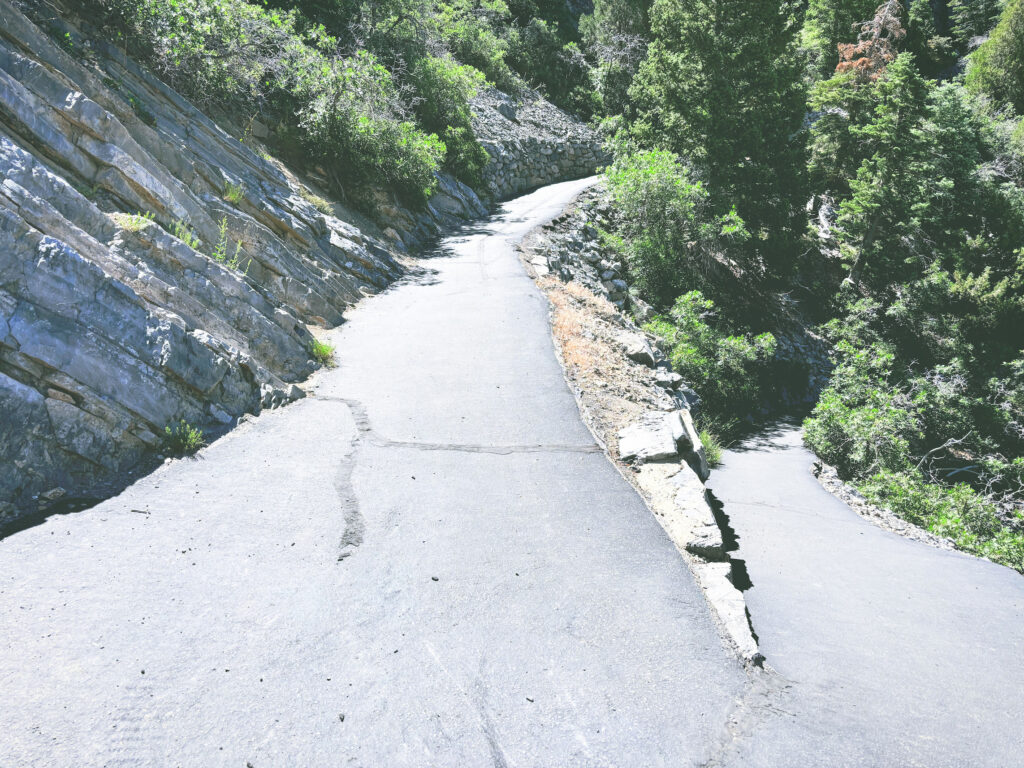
(828, 24)
(933, 52)
(972, 19)
(721, 86)
(615, 38)
(997, 67)
(881, 209)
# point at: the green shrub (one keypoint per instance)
(666, 230)
(445, 88)
(477, 35)
(957, 512)
(731, 372)
(234, 193)
(344, 111)
(182, 439)
(322, 352)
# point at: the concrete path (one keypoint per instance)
(888, 652)
(426, 563)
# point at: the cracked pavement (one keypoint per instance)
(428, 562)
(890, 652)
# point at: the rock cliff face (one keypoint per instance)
(532, 143)
(153, 268)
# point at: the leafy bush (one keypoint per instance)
(958, 512)
(666, 230)
(731, 372)
(322, 352)
(477, 34)
(344, 111)
(444, 89)
(540, 55)
(182, 439)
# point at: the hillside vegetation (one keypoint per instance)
(378, 92)
(867, 162)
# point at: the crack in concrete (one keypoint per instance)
(762, 699)
(355, 523)
(363, 425)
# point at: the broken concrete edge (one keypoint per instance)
(678, 503)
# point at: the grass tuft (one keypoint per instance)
(182, 439)
(234, 193)
(712, 446)
(321, 204)
(322, 352)
(132, 222)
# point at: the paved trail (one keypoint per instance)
(426, 563)
(893, 653)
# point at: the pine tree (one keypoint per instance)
(830, 23)
(972, 19)
(997, 67)
(721, 86)
(880, 211)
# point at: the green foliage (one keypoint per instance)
(615, 38)
(445, 88)
(184, 232)
(540, 55)
(477, 33)
(345, 112)
(829, 23)
(997, 67)
(133, 222)
(958, 512)
(182, 439)
(883, 192)
(712, 443)
(971, 19)
(322, 352)
(666, 229)
(321, 204)
(234, 193)
(731, 372)
(224, 254)
(721, 86)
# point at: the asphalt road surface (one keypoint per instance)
(889, 652)
(428, 562)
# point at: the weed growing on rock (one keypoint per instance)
(182, 439)
(712, 445)
(220, 251)
(322, 352)
(234, 193)
(184, 232)
(132, 222)
(321, 204)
